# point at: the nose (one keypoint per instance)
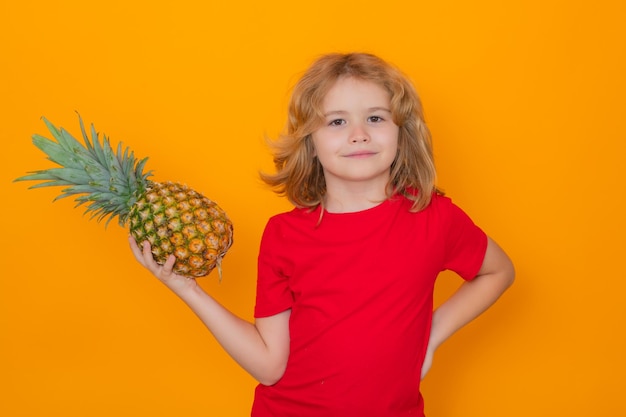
(359, 135)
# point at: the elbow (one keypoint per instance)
(498, 264)
(271, 377)
(272, 371)
(268, 382)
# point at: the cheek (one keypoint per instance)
(391, 157)
(323, 153)
(393, 139)
(322, 145)
(393, 148)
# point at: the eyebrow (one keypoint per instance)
(370, 109)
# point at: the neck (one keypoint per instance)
(348, 201)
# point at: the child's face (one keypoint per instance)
(357, 141)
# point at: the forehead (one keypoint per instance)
(351, 92)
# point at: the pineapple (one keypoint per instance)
(174, 218)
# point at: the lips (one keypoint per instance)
(360, 154)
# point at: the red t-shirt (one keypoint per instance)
(360, 289)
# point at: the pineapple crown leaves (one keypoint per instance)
(108, 182)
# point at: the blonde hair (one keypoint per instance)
(299, 175)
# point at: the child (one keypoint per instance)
(344, 323)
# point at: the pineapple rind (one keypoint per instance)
(197, 243)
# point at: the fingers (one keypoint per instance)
(142, 253)
(146, 250)
(164, 273)
(137, 251)
(169, 264)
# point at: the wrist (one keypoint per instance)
(185, 288)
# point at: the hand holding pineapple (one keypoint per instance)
(173, 218)
(178, 284)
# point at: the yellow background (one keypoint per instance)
(526, 103)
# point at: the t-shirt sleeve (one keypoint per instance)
(273, 294)
(466, 243)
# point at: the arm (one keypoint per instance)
(261, 348)
(471, 299)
